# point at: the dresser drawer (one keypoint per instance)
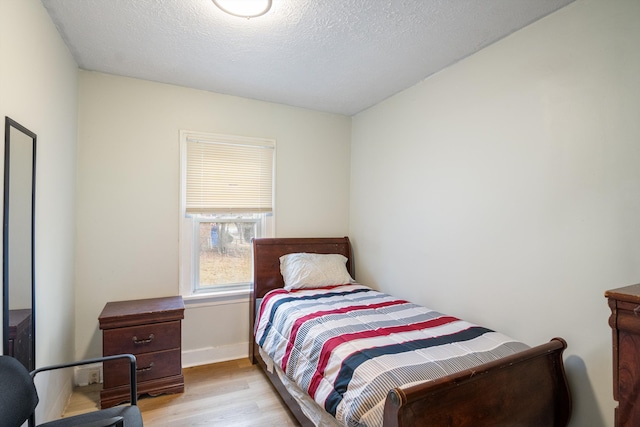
(150, 366)
(141, 339)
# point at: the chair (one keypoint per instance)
(19, 397)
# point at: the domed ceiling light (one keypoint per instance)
(244, 8)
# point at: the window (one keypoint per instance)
(226, 200)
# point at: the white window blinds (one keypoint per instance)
(229, 175)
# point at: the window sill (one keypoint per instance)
(216, 298)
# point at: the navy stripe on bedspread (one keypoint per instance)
(352, 362)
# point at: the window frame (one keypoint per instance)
(188, 242)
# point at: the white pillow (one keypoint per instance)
(306, 270)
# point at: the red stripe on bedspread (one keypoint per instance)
(299, 322)
(330, 345)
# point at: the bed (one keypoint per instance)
(525, 388)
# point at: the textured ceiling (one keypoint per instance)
(339, 56)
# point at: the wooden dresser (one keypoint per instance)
(625, 323)
(151, 329)
(20, 337)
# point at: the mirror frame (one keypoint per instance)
(9, 125)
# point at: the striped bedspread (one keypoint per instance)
(347, 346)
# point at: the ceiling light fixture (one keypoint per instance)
(244, 8)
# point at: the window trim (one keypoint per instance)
(185, 249)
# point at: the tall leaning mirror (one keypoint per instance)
(18, 249)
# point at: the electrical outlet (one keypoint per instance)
(93, 376)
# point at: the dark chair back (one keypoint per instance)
(18, 396)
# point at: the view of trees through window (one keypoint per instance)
(225, 253)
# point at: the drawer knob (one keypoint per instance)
(143, 341)
(148, 368)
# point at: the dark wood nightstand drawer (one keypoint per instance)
(142, 339)
(150, 366)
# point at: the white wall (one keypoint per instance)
(128, 195)
(38, 89)
(506, 188)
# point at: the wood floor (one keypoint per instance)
(233, 393)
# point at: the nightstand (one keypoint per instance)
(151, 329)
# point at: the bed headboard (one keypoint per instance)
(267, 253)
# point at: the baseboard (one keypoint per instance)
(52, 404)
(208, 355)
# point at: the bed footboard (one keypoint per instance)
(525, 389)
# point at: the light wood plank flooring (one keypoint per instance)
(233, 393)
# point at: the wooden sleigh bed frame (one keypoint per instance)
(525, 389)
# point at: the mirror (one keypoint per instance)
(18, 229)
